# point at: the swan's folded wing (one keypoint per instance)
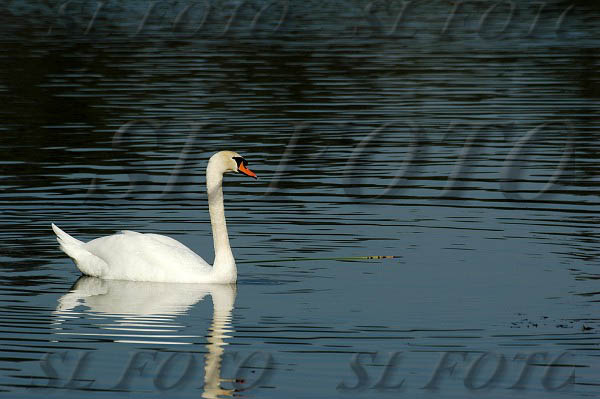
(146, 257)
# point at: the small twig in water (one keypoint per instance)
(312, 259)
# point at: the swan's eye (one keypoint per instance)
(242, 166)
(240, 161)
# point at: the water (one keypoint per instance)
(467, 152)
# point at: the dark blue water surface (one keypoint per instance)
(459, 140)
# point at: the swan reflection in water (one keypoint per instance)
(151, 307)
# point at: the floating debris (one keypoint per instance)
(314, 259)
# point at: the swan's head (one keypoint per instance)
(230, 161)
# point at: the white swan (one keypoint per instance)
(129, 255)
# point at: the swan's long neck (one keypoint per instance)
(224, 263)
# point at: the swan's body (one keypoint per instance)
(129, 255)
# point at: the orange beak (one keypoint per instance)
(243, 169)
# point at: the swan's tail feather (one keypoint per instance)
(65, 239)
(86, 262)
